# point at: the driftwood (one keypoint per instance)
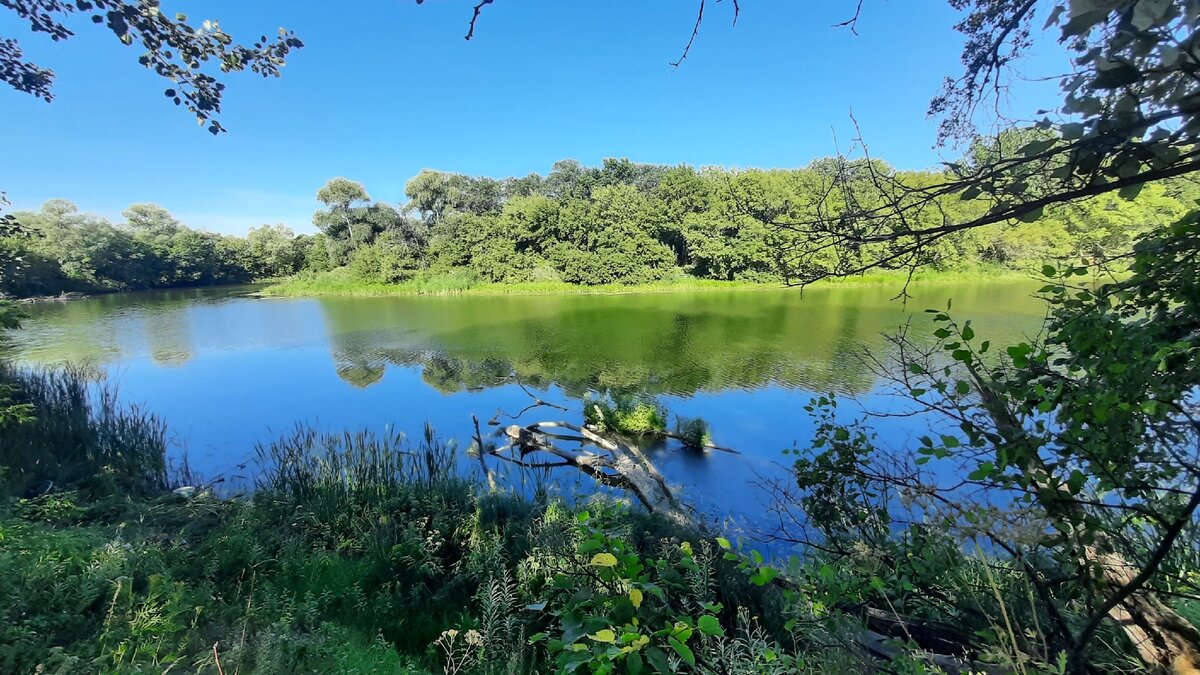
(609, 460)
(1160, 635)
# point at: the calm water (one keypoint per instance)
(226, 370)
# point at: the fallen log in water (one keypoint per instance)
(608, 459)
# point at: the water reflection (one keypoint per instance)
(673, 344)
(227, 371)
(168, 336)
(660, 344)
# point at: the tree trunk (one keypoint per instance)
(1164, 640)
(1161, 636)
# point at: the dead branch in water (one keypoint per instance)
(609, 460)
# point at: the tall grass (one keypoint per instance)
(330, 472)
(78, 436)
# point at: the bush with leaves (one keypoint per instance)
(1076, 455)
(629, 414)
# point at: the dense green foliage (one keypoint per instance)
(628, 223)
(628, 414)
(62, 250)
(622, 223)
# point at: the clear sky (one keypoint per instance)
(386, 88)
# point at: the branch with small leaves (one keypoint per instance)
(178, 50)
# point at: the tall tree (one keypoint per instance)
(340, 195)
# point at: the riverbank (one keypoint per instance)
(341, 283)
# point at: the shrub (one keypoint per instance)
(629, 414)
(692, 432)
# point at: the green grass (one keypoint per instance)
(340, 282)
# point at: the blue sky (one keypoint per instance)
(387, 88)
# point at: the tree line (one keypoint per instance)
(628, 223)
(58, 249)
(618, 223)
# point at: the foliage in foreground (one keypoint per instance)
(356, 553)
(1076, 455)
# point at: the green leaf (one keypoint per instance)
(1148, 13)
(985, 470)
(709, 625)
(1032, 216)
(590, 545)
(1037, 147)
(605, 636)
(658, 660)
(1119, 75)
(764, 576)
(1071, 131)
(682, 650)
(1076, 481)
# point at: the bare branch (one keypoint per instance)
(852, 22)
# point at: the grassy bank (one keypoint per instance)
(341, 282)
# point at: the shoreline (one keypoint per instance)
(331, 285)
(61, 297)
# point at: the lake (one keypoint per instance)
(227, 370)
